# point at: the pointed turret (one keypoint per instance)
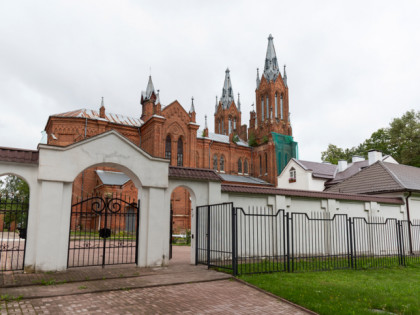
(239, 103)
(192, 109)
(150, 91)
(217, 105)
(271, 67)
(157, 97)
(102, 109)
(284, 76)
(227, 92)
(258, 78)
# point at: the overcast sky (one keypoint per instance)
(352, 66)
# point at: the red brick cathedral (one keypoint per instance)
(240, 154)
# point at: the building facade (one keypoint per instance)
(260, 150)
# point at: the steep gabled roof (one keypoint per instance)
(320, 170)
(94, 115)
(381, 177)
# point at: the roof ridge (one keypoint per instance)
(395, 177)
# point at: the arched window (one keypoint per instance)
(218, 122)
(281, 106)
(262, 108)
(222, 163)
(215, 162)
(240, 166)
(260, 165)
(275, 106)
(230, 126)
(180, 156)
(292, 175)
(266, 163)
(267, 114)
(246, 167)
(234, 123)
(168, 148)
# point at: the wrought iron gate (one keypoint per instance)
(103, 231)
(13, 223)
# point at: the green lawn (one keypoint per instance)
(394, 290)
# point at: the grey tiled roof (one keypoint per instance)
(321, 170)
(112, 178)
(381, 177)
(352, 169)
(221, 138)
(93, 114)
(243, 179)
(193, 173)
(19, 155)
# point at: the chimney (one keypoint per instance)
(342, 165)
(374, 156)
(357, 158)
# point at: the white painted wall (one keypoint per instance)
(304, 179)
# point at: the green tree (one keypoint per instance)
(401, 140)
(14, 187)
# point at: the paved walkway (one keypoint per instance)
(178, 289)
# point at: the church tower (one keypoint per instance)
(271, 99)
(270, 131)
(227, 116)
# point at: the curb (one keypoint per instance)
(275, 296)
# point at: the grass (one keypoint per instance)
(395, 290)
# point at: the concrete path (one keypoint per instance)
(178, 289)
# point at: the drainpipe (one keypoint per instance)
(409, 222)
(210, 154)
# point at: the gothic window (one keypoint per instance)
(260, 165)
(234, 124)
(215, 162)
(180, 155)
(218, 122)
(168, 148)
(267, 114)
(262, 108)
(230, 125)
(240, 166)
(246, 166)
(222, 163)
(275, 106)
(281, 106)
(266, 163)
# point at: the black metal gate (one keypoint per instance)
(13, 224)
(103, 231)
(214, 230)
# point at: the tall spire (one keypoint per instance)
(205, 121)
(157, 97)
(149, 90)
(239, 103)
(227, 92)
(284, 76)
(192, 109)
(217, 104)
(258, 78)
(271, 67)
(102, 109)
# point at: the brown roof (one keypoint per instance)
(307, 194)
(321, 170)
(19, 155)
(381, 177)
(352, 169)
(193, 173)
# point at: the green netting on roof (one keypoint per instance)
(285, 148)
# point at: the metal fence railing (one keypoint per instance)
(260, 240)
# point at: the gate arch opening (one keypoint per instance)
(14, 209)
(104, 218)
(182, 203)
